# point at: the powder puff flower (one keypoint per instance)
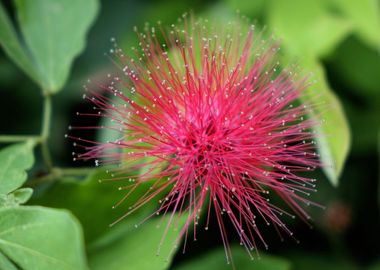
(208, 117)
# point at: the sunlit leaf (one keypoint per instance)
(333, 134)
(365, 15)
(54, 32)
(308, 31)
(5, 263)
(14, 160)
(38, 238)
(307, 27)
(16, 197)
(133, 248)
(11, 45)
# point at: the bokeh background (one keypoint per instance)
(343, 37)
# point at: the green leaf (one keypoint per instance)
(365, 16)
(54, 32)
(16, 197)
(38, 238)
(136, 248)
(6, 264)
(333, 134)
(80, 196)
(307, 27)
(14, 160)
(217, 260)
(11, 45)
(251, 8)
(22, 195)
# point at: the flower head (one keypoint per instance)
(214, 123)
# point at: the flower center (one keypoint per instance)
(203, 146)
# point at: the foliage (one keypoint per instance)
(57, 218)
(216, 260)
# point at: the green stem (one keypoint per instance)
(18, 138)
(45, 131)
(52, 176)
(57, 173)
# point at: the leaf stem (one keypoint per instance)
(57, 172)
(48, 178)
(18, 138)
(45, 130)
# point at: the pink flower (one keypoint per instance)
(213, 121)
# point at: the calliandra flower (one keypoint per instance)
(209, 119)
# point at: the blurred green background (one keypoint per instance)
(338, 40)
